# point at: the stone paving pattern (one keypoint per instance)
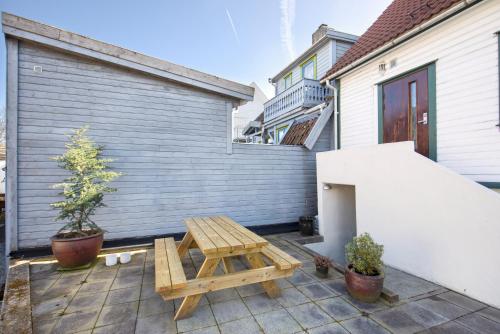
(121, 299)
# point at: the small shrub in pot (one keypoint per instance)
(79, 241)
(323, 264)
(364, 273)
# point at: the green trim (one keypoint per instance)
(431, 84)
(337, 84)
(291, 79)
(276, 131)
(315, 62)
(498, 39)
(491, 185)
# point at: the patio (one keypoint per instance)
(121, 299)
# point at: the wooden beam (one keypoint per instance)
(11, 231)
(185, 244)
(215, 283)
(270, 286)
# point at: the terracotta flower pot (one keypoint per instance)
(75, 252)
(364, 288)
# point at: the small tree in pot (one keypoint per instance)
(79, 241)
(364, 274)
(323, 264)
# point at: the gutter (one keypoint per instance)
(403, 38)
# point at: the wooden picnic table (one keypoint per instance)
(219, 239)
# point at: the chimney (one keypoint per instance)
(320, 32)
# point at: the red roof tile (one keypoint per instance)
(400, 17)
(298, 132)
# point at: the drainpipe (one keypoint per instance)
(335, 112)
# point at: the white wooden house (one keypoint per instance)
(298, 89)
(247, 113)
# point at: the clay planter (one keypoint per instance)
(364, 288)
(322, 271)
(306, 226)
(77, 252)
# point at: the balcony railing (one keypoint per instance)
(305, 93)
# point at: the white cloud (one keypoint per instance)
(232, 26)
(286, 25)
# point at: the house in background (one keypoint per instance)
(300, 97)
(418, 144)
(247, 113)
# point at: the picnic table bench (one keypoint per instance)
(218, 238)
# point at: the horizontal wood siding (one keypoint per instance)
(169, 141)
(341, 48)
(465, 50)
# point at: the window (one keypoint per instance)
(309, 68)
(280, 133)
(288, 80)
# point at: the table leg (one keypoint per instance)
(271, 287)
(189, 303)
(228, 265)
(183, 247)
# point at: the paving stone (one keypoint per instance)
(309, 315)
(364, 325)
(127, 327)
(85, 301)
(206, 330)
(462, 301)
(50, 306)
(480, 324)
(97, 286)
(261, 303)
(328, 329)
(250, 290)
(241, 326)
(156, 324)
(200, 318)
(178, 302)
(101, 275)
(448, 328)
(113, 314)
(222, 295)
(126, 282)
(300, 278)
(43, 271)
(338, 286)
(292, 297)
(121, 296)
(366, 307)
(338, 308)
(154, 305)
(491, 313)
(283, 283)
(316, 291)
(442, 307)
(230, 310)
(44, 326)
(129, 271)
(399, 320)
(74, 322)
(147, 291)
(406, 285)
(278, 322)
(61, 291)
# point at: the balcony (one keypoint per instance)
(304, 94)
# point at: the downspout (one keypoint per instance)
(335, 113)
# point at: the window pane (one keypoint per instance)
(280, 133)
(308, 70)
(413, 108)
(288, 81)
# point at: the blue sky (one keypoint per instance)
(243, 41)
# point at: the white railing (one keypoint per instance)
(305, 93)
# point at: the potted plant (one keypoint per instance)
(364, 274)
(322, 265)
(306, 225)
(79, 241)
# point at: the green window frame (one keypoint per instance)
(288, 77)
(431, 77)
(311, 60)
(280, 133)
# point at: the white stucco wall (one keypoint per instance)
(433, 222)
(465, 50)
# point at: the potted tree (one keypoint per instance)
(323, 264)
(79, 241)
(364, 274)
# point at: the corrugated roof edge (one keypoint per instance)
(26, 29)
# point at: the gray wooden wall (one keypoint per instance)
(169, 141)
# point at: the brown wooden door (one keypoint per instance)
(406, 111)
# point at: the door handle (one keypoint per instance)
(424, 119)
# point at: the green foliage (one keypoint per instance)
(365, 255)
(84, 189)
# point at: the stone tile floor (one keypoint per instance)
(121, 299)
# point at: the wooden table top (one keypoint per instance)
(221, 234)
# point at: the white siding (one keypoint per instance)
(341, 48)
(169, 141)
(466, 53)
